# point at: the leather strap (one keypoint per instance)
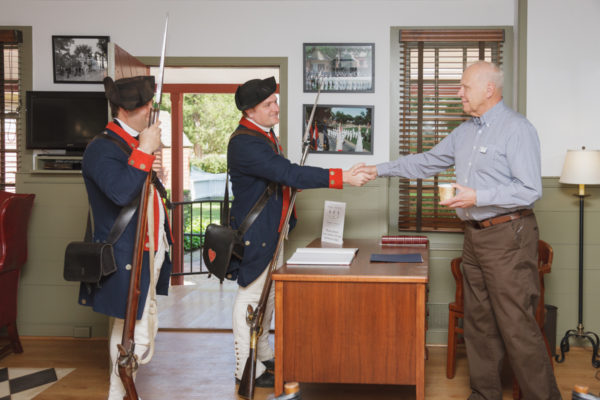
(257, 208)
(245, 131)
(120, 223)
(126, 212)
(500, 219)
(262, 200)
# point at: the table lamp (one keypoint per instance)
(581, 167)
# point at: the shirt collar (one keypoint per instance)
(127, 128)
(264, 128)
(490, 115)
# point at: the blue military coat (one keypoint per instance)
(112, 183)
(253, 164)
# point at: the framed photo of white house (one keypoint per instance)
(79, 59)
(339, 67)
(340, 129)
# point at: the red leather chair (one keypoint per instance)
(545, 256)
(15, 210)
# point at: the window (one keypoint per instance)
(10, 100)
(431, 65)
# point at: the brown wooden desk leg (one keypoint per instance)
(420, 344)
(278, 338)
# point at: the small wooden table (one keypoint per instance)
(359, 324)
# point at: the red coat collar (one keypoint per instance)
(116, 128)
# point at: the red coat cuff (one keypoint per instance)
(336, 178)
(140, 160)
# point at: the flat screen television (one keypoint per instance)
(64, 120)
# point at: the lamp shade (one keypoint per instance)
(581, 167)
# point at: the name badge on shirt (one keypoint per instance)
(483, 149)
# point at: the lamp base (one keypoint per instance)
(580, 334)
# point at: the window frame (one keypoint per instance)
(24, 157)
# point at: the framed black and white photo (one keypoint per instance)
(339, 129)
(339, 67)
(79, 59)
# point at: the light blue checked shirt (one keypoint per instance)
(497, 154)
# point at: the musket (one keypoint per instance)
(127, 362)
(254, 317)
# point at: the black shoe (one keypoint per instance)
(270, 364)
(266, 380)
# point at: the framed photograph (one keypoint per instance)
(338, 129)
(339, 67)
(79, 59)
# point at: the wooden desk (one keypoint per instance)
(359, 324)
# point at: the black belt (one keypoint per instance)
(500, 219)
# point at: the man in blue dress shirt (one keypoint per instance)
(496, 155)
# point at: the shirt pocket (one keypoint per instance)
(491, 160)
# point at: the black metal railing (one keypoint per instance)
(197, 215)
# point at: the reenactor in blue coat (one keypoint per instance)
(113, 180)
(254, 161)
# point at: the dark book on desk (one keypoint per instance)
(397, 258)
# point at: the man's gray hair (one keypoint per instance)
(493, 72)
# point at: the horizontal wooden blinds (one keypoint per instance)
(431, 65)
(10, 102)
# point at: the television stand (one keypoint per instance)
(56, 164)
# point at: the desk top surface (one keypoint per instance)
(361, 269)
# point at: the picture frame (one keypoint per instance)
(340, 129)
(79, 59)
(339, 67)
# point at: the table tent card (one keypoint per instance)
(333, 222)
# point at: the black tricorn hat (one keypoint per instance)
(253, 92)
(129, 93)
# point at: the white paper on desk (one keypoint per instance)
(322, 256)
(333, 222)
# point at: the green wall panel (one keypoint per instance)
(48, 307)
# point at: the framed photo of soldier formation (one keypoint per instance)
(79, 59)
(339, 67)
(339, 129)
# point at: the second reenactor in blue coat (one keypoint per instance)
(254, 161)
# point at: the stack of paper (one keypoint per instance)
(323, 256)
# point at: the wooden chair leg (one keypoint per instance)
(13, 335)
(451, 354)
(516, 389)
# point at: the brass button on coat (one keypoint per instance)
(128, 267)
(247, 243)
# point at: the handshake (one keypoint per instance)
(360, 174)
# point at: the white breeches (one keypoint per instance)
(241, 332)
(145, 329)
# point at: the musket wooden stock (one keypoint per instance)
(127, 363)
(246, 389)
(255, 317)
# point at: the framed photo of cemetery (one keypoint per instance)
(339, 129)
(339, 67)
(79, 59)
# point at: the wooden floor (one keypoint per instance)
(197, 361)
(199, 365)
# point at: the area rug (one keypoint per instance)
(26, 383)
